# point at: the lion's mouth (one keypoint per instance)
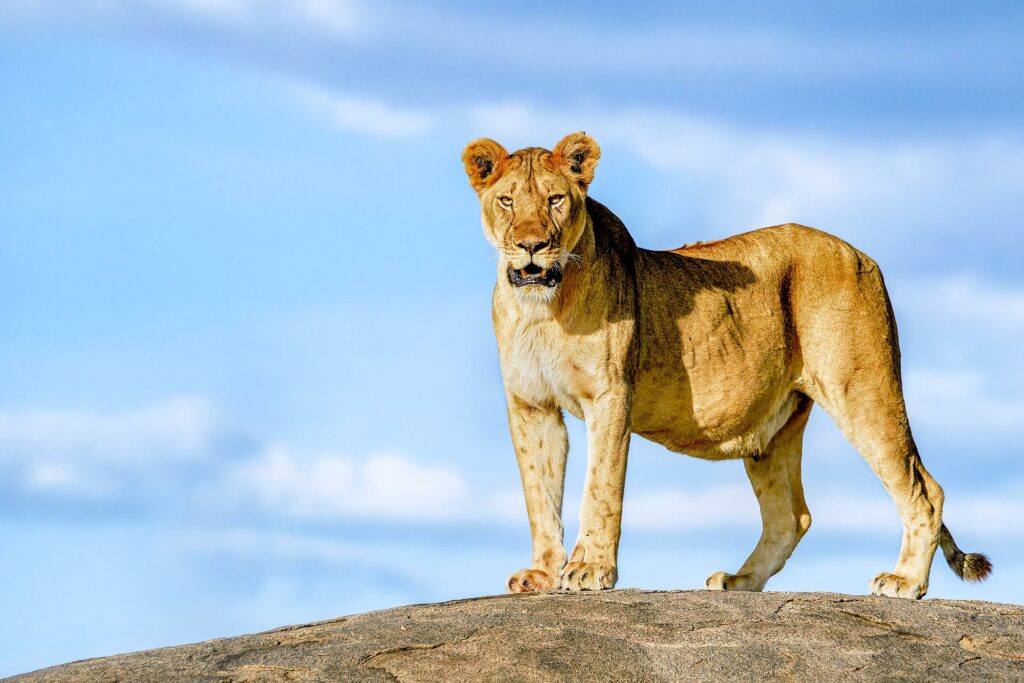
(533, 274)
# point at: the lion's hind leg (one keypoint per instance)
(775, 476)
(918, 499)
(852, 369)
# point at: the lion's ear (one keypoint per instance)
(576, 155)
(481, 158)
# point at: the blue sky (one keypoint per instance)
(236, 395)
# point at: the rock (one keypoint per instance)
(623, 635)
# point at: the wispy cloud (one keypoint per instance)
(873, 192)
(176, 428)
(966, 299)
(171, 457)
(254, 543)
(717, 507)
(734, 506)
(339, 17)
(364, 115)
(180, 453)
(965, 382)
(537, 36)
(133, 457)
(308, 17)
(761, 177)
(670, 510)
(385, 487)
(962, 402)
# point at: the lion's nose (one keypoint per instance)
(532, 246)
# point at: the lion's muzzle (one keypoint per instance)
(532, 274)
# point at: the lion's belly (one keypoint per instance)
(719, 435)
(725, 388)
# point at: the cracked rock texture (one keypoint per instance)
(624, 635)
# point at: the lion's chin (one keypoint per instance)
(536, 295)
(533, 276)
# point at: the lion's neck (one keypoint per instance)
(580, 271)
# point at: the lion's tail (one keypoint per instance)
(968, 566)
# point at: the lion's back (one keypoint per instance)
(811, 264)
(787, 243)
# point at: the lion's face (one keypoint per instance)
(532, 206)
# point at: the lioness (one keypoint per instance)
(716, 350)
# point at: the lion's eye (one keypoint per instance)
(556, 199)
(505, 201)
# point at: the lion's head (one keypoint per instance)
(532, 205)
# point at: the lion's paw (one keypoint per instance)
(532, 581)
(720, 581)
(587, 576)
(896, 586)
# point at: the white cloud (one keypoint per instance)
(985, 515)
(137, 456)
(716, 507)
(231, 10)
(147, 454)
(507, 507)
(262, 544)
(341, 17)
(961, 402)
(172, 451)
(65, 478)
(764, 178)
(722, 47)
(338, 16)
(330, 18)
(176, 428)
(362, 115)
(853, 512)
(965, 380)
(331, 486)
(965, 299)
(734, 506)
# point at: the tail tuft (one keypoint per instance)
(971, 567)
(974, 567)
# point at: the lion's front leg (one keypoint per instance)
(541, 444)
(593, 564)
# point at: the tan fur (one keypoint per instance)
(716, 350)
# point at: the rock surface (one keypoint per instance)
(624, 635)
